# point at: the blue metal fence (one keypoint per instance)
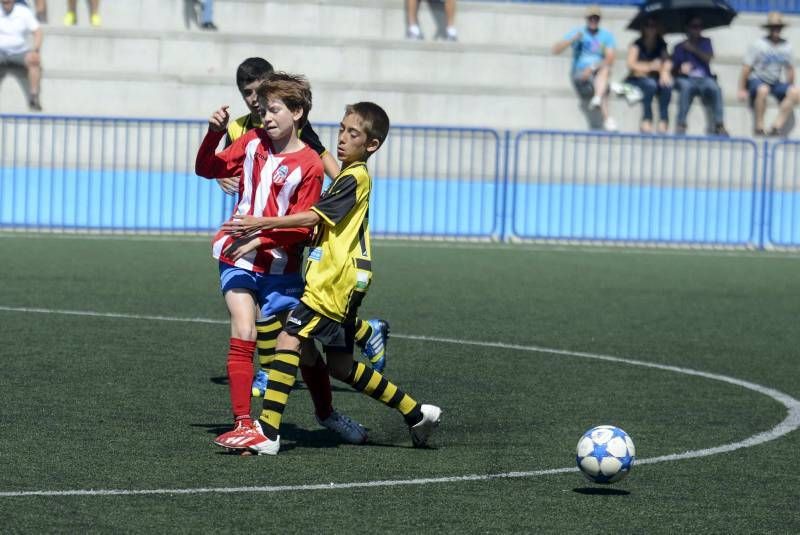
(136, 175)
(631, 188)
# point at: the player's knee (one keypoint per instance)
(243, 330)
(288, 342)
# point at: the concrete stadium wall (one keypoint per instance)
(149, 60)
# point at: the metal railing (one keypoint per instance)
(137, 175)
(631, 188)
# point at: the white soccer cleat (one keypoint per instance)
(344, 426)
(431, 415)
(265, 446)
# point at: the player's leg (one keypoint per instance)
(318, 381)
(277, 295)
(283, 374)
(242, 307)
(372, 336)
(421, 419)
(239, 288)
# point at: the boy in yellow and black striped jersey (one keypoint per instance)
(338, 275)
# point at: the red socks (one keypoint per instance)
(240, 375)
(318, 382)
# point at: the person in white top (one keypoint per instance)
(768, 70)
(16, 23)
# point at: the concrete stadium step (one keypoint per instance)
(323, 58)
(483, 22)
(134, 95)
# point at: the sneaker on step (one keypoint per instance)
(95, 20)
(451, 34)
(243, 435)
(595, 102)
(431, 415)
(70, 19)
(344, 426)
(375, 348)
(414, 32)
(609, 125)
(259, 387)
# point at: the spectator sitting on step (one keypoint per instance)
(94, 13)
(650, 66)
(16, 23)
(413, 30)
(693, 77)
(764, 62)
(593, 56)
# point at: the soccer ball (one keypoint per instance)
(605, 454)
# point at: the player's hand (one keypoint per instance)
(229, 185)
(742, 94)
(241, 225)
(218, 121)
(241, 247)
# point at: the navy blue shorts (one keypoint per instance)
(274, 293)
(777, 90)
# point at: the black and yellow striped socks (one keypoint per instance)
(366, 380)
(283, 372)
(363, 332)
(267, 330)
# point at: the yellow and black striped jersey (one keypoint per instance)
(245, 123)
(339, 268)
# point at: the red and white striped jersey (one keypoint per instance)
(271, 185)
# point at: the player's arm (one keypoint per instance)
(329, 211)
(254, 236)
(209, 163)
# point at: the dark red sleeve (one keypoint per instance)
(304, 198)
(228, 162)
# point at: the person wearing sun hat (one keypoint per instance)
(592, 58)
(768, 70)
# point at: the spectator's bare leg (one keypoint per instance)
(34, 68)
(41, 10)
(412, 6)
(760, 106)
(601, 88)
(450, 13)
(94, 6)
(412, 29)
(72, 5)
(787, 105)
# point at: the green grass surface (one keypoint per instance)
(123, 403)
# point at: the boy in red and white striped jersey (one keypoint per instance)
(279, 175)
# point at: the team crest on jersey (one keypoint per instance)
(280, 174)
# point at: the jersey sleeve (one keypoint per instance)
(310, 138)
(342, 198)
(228, 162)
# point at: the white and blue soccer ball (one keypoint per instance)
(605, 454)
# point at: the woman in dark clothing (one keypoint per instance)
(650, 66)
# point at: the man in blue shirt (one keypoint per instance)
(592, 58)
(692, 73)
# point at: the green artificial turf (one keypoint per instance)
(132, 401)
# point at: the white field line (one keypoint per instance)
(443, 244)
(789, 424)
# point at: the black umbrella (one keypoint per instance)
(675, 14)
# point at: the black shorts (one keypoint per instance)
(306, 322)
